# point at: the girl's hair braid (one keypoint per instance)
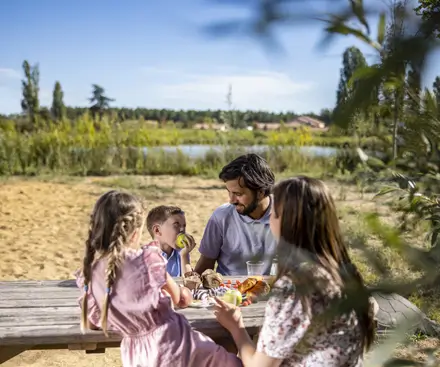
(115, 219)
(118, 240)
(87, 269)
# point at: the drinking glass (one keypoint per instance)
(255, 268)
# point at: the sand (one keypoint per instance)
(43, 224)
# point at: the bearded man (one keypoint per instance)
(239, 231)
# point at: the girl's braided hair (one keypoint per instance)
(115, 219)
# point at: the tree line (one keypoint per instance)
(100, 105)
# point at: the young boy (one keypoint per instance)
(164, 223)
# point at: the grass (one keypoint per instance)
(138, 185)
(86, 147)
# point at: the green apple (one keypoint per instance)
(233, 296)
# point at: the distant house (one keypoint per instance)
(205, 126)
(302, 121)
(307, 121)
(269, 126)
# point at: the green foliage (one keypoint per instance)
(415, 206)
(90, 147)
(430, 11)
(380, 91)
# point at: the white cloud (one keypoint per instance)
(8, 73)
(263, 90)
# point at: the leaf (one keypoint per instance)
(381, 29)
(361, 73)
(386, 190)
(341, 28)
(358, 10)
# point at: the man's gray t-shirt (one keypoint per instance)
(232, 239)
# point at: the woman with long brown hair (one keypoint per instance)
(318, 313)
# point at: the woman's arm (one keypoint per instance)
(230, 317)
(248, 353)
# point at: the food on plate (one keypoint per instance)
(208, 302)
(186, 297)
(247, 285)
(192, 280)
(211, 279)
(233, 296)
(202, 293)
(261, 288)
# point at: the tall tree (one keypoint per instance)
(352, 60)
(231, 118)
(100, 102)
(394, 89)
(58, 109)
(413, 83)
(30, 103)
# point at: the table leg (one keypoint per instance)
(6, 353)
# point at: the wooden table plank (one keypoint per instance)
(36, 303)
(46, 313)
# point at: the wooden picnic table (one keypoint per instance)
(38, 315)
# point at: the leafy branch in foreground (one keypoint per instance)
(415, 206)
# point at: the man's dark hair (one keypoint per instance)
(254, 171)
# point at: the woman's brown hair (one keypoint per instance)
(115, 218)
(310, 233)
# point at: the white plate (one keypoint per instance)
(200, 304)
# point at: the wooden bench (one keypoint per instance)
(38, 315)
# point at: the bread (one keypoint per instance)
(247, 285)
(192, 280)
(261, 288)
(211, 279)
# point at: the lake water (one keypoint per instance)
(199, 151)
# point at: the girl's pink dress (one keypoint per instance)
(153, 333)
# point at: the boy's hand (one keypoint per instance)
(190, 243)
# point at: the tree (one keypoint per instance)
(413, 90)
(30, 103)
(100, 101)
(231, 118)
(429, 10)
(352, 60)
(394, 86)
(436, 88)
(58, 109)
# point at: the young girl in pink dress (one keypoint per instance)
(125, 291)
(315, 270)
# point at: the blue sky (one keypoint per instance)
(154, 54)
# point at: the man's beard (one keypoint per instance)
(251, 207)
